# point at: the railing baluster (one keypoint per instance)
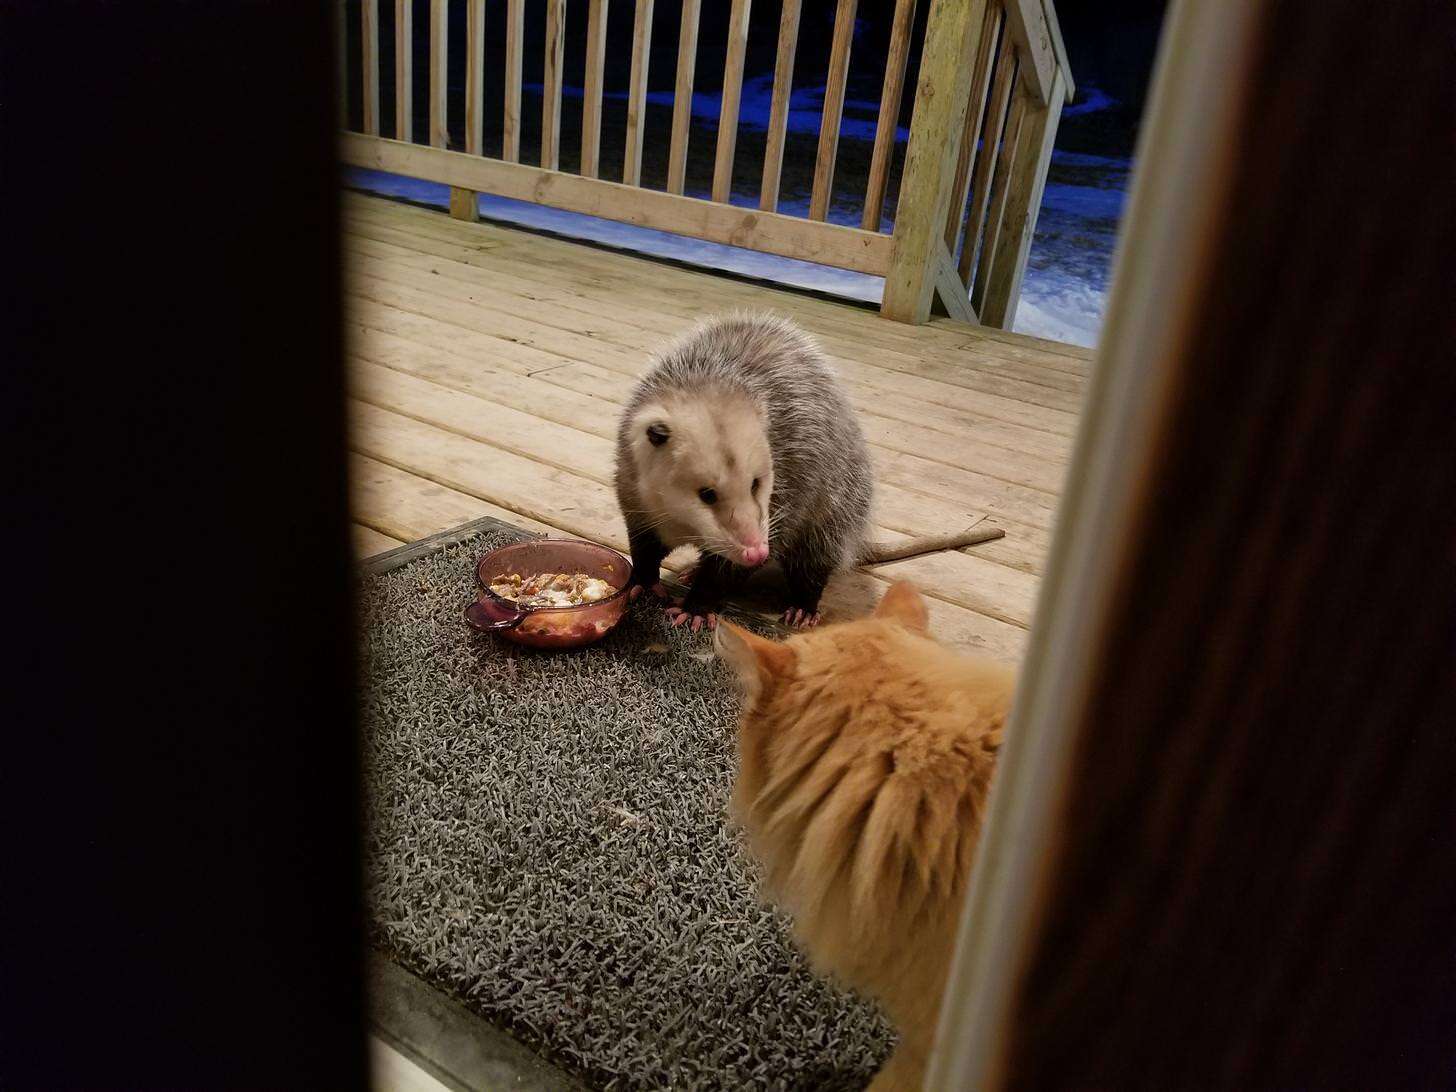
(474, 77)
(591, 110)
(370, 64)
(975, 113)
(682, 97)
(833, 110)
(732, 94)
(1024, 189)
(996, 212)
(637, 93)
(778, 118)
(551, 91)
(404, 70)
(889, 121)
(986, 162)
(511, 122)
(464, 203)
(439, 58)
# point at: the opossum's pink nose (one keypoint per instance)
(755, 553)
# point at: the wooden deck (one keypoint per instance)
(488, 366)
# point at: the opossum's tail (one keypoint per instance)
(878, 553)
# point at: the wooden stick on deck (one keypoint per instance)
(975, 114)
(439, 57)
(986, 161)
(404, 70)
(880, 553)
(778, 119)
(591, 110)
(370, 64)
(889, 121)
(833, 110)
(637, 93)
(511, 122)
(732, 94)
(551, 91)
(682, 97)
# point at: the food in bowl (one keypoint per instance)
(520, 586)
(551, 589)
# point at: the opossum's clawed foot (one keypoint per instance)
(677, 616)
(660, 590)
(801, 619)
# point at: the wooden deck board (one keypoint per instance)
(548, 250)
(488, 366)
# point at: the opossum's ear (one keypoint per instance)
(904, 604)
(657, 433)
(758, 661)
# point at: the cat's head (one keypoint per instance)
(805, 689)
(763, 666)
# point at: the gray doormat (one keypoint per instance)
(547, 842)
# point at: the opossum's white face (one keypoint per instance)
(705, 471)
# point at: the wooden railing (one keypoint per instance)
(993, 77)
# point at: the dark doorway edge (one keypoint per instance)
(450, 1042)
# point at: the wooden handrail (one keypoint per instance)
(969, 188)
(769, 232)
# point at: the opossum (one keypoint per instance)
(741, 441)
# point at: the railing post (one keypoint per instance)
(951, 39)
(1030, 163)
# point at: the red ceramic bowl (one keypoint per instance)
(550, 627)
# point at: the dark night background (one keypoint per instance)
(1110, 45)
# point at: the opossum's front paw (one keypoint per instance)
(678, 616)
(800, 618)
(659, 589)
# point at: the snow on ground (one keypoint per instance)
(806, 108)
(1064, 292)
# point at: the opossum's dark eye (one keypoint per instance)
(657, 434)
(755, 487)
(707, 496)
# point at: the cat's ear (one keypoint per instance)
(904, 604)
(756, 659)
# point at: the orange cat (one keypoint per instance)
(865, 755)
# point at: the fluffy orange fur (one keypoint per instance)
(865, 756)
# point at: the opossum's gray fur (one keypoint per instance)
(823, 481)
